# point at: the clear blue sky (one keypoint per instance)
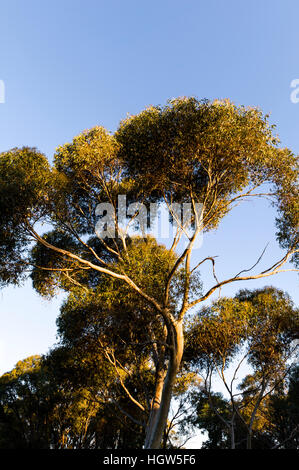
(69, 65)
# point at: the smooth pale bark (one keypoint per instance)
(156, 403)
(159, 413)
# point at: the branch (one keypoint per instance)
(76, 283)
(268, 272)
(293, 433)
(128, 415)
(111, 358)
(166, 315)
(255, 264)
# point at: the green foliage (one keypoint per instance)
(265, 319)
(274, 324)
(51, 402)
(217, 332)
(24, 177)
(149, 264)
(123, 312)
(85, 170)
(24, 406)
(50, 268)
(283, 414)
(210, 149)
(204, 417)
(276, 426)
(262, 327)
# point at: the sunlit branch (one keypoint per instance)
(266, 273)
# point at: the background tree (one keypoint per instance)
(276, 427)
(282, 425)
(258, 327)
(50, 402)
(211, 154)
(211, 413)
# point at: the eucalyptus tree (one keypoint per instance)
(211, 155)
(258, 329)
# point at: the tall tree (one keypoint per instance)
(210, 154)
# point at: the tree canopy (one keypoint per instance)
(209, 154)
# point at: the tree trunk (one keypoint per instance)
(232, 434)
(156, 402)
(163, 393)
(258, 402)
(249, 440)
